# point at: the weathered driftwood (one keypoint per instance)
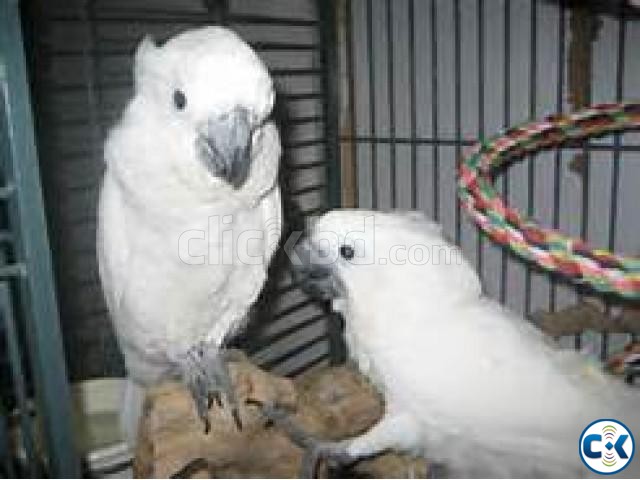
(590, 314)
(335, 403)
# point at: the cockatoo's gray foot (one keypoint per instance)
(206, 373)
(334, 453)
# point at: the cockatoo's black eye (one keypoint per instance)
(347, 252)
(179, 99)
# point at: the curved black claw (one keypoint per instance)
(207, 375)
(334, 453)
(188, 470)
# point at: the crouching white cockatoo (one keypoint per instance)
(465, 382)
(189, 211)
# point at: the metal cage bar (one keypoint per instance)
(506, 121)
(36, 289)
(331, 85)
(481, 129)
(412, 102)
(19, 379)
(434, 111)
(531, 177)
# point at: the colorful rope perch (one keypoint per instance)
(604, 271)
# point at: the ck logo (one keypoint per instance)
(606, 446)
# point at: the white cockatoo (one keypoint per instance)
(465, 382)
(189, 212)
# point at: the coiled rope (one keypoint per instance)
(601, 269)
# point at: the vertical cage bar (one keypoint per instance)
(90, 71)
(615, 174)
(481, 129)
(434, 110)
(531, 171)
(584, 212)
(18, 378)
(330, 81)
(352, 96)
(392, 112)
(558, 154)
(372, 106)
(331, 99)
(218, 11)
(37, 289)
(6, 462)
(412, 104)
(458, 112)
(505, 122)
(617, 139)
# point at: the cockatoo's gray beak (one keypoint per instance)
(313, 272)
(225, 146)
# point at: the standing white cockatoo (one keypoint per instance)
(189, 211)
(465, 382)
